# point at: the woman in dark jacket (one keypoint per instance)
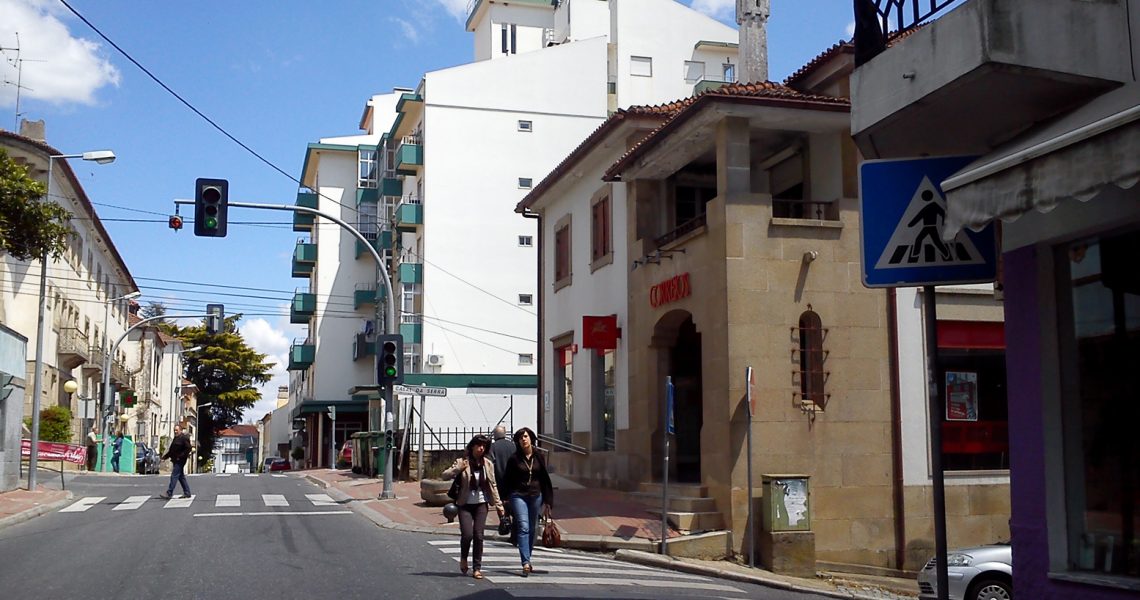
(528, 487)
(477, 489)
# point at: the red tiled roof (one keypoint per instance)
(841, 47)
(246, 430)
(763, 93)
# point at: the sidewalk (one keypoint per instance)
(19, 505)
(598, 520)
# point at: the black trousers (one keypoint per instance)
(472, 522)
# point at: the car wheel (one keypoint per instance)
(992, 589)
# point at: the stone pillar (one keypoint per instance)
(752, 16)
(733, 158)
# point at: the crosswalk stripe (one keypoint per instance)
(83, 504)
(278, 475)
(224, 474)
(277, 513)
(227, 500)
(321, 500)
(274, 500)
(251, 474)
(131, 503)
(537, 578)
(179, 502)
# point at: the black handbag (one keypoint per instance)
(505, 524)
(453, 493)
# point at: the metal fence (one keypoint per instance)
(444, 438)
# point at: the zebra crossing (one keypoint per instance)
(559, 567)
(224, 501)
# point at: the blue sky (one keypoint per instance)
(276, 75)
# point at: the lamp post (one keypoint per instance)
(101, 157)
(176, 381)
(71, 387)
(105, 389)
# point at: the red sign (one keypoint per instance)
(600, 333)
(670, 290)
(54, 451)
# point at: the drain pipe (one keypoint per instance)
(897, 490)
(539, 303)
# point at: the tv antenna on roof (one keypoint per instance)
(19, 64)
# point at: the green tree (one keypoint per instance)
(225, 372)
(154, 309)
(55, 424)
(31, 225)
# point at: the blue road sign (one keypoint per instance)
(902, 210)
(669, 428)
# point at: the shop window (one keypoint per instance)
(563, 391)
(1098, 289)
(811, 358)
(602, 403)
(975, 427)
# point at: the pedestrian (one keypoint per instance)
(92, 447)
(528, 486)
(178, 452)
(477, 489)
(502, 449)
(116, 451)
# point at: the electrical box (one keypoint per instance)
(786, 503)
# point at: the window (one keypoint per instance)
(602, 405)
(526, 241)
(526, 359)
(729, 71)
(811, 358)
(694, 71)
(563, 392)
(601, 241)
(526, 183)
(367, 159)
(975, 429)
(527, 126)
(641, 66)
(509, 36)
(1098, 300)
(526, 299)
(562, 253)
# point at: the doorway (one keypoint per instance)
(679, 354)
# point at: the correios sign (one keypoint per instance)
(670, 290)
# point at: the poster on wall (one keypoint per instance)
(961, 396)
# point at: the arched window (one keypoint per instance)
(812, 356)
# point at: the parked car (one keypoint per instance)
(981, 573)
(146, 459)
(344, 459)
(280, 464)
(266, 463)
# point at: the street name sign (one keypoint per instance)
(420, 390)
(902, 210)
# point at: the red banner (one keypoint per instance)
(600, 333)
(55, 451)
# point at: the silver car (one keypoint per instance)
(982, 573)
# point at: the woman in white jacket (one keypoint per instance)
(477, 490)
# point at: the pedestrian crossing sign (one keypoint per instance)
(902, 210)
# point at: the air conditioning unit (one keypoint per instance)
(435, 360)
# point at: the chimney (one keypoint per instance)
(752, 16)
(33, 130)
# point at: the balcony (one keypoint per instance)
(705, 85)
(363, 346)
(120, 375)
(97, 358)
(411, 272)
(303, 308)
(370, 195)
(73, 348)
(409, 155)
(367, 293)
(390, 186)
(301, 355)
(302, 221)
(380, 240)
(409, 214)
(304, 259)
(412, 328)
(984, 72)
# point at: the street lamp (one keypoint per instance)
(105, 389)
(101, 157)
(71, 387)
(176, 381)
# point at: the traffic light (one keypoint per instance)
(129, 399)
(389, 439)
(215, 319)
(211, 199)
(391, 367)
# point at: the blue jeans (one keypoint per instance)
(115, 462)
(177, 474)
(526, 510)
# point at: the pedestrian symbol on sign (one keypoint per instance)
(917, 239)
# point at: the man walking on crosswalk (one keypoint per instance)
(178, 452)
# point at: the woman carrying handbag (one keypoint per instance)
(477, 489)
(529, 489)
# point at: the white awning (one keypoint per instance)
(1072, 158)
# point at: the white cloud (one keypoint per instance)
(850, 29)
(408, 29)
(717, 9)
(57, 67)
(457, 8)
(274, 342)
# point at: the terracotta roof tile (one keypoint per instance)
(841, 47)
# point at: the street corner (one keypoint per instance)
(17, 506)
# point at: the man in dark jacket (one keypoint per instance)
(178, 452)
(501, 451)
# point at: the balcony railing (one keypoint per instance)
(682, 229)
(897, 15)
(805, 209)
(73, 343)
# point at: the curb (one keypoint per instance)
(668, 562)
(36, 511)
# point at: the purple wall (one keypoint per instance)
(1028, 524)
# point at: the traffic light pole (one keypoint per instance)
(389, 321)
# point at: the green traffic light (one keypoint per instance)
(211, 223)
(390, 371)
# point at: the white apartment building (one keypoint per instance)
(460, 152)
(84, 313)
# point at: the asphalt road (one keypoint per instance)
(272, 537)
